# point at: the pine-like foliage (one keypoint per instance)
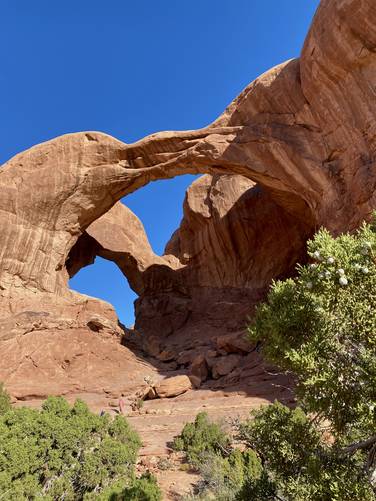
(63, 452)
(321, 326)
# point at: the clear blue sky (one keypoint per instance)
(130, 68)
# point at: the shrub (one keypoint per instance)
(144, 488)
(139, 403)
(164, 464)
(223, 477)
(224, 470)
(4, 400)
(323, 329)
(201, 438)
(299, 462)
(63, 452)
(321, 326)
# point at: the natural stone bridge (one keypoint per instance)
(296, 150)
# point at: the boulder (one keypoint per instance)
(196, 381)
(234, 343)
(166, 356)
(152, 346)
(173, 386)
(186, 357)
(151, 394)
(199, 368)
(225, 365)
(211, 357)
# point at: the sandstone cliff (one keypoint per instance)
(294, 151)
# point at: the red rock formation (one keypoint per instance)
(303, 131)
(232, 242)
(118, 236)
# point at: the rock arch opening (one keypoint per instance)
(119, 245)
(159, 206)
(214, 266)
(104, 280)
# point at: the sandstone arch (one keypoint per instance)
(304, 132)
(55, 190)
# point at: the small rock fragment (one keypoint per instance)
(196, 381)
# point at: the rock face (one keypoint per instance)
(199, 368)
(57, 346)
(295, 150)
(225, 365)
(173, 386)
(118, 236)
(233, 240)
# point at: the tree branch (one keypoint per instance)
(364, 444)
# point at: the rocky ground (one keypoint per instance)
(223, 376)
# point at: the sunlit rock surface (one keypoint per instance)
(296, 150)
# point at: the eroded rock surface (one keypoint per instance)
(233, 240)
(174, 386)
(294, 151)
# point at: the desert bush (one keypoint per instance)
(224, 469)
(224, 477)
(201, 438)
(4, 400)
(63, 452)
(139, 403)
(164, 464)
(299, 462)
(321, 326)
(144, 488)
